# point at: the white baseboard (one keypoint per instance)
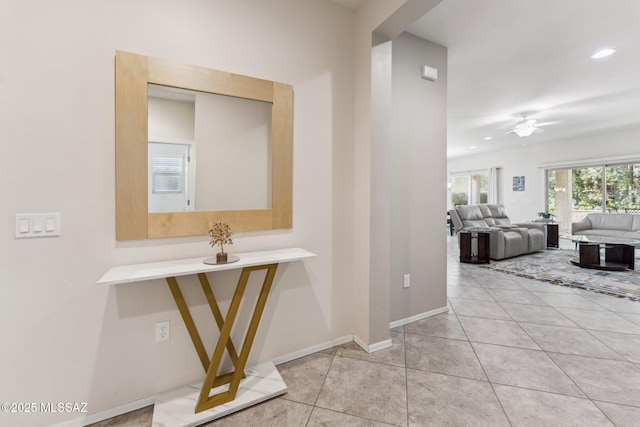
(387, 343)
(379, 346)
(313, 349)
(109, 413)
(373, 347)
(417, 317)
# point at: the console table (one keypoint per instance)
(232, 391)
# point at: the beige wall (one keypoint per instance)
(65, 339)
(368, 18)
(171, 120)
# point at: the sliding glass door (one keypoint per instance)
(623, 188)
(573, 193)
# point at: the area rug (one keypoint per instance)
(554, 266)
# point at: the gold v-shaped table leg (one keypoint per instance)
(217, 314)
(212, 379)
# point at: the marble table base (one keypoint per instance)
(176, 408)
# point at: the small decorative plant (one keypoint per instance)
(546, 215)
(220, 234)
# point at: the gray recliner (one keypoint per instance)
(506, 239)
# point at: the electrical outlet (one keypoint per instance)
(163, 331)
(407, 280)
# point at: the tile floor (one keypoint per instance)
(511, 352)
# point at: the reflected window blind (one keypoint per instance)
(168, 174)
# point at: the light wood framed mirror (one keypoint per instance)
(134, 74)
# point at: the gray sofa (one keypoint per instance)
(506, 239)
(609, 225)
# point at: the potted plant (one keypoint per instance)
(220, 234)
(546, 216)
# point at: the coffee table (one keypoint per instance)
(619, 252)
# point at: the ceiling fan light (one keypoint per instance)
(524, 131)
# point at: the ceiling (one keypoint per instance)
(512, 57)
(507, 58)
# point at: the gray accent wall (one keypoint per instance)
(417, 178)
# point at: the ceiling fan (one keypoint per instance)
(526, 127)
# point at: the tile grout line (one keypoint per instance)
(324, 380)
(406, 375)
(589, 331)
(487, 376)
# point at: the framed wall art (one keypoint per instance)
(518, 183)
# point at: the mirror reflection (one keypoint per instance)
(207, 151)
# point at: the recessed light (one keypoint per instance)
(488, 138)
(473, 147)
(603, 53)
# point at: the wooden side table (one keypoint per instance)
(552, 235)
(483, 248)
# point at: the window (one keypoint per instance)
(170, 177)
(572, 193)
(168, 174)
(469, 188)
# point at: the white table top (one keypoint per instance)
(185, 267)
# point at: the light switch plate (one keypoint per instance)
(37, 225)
